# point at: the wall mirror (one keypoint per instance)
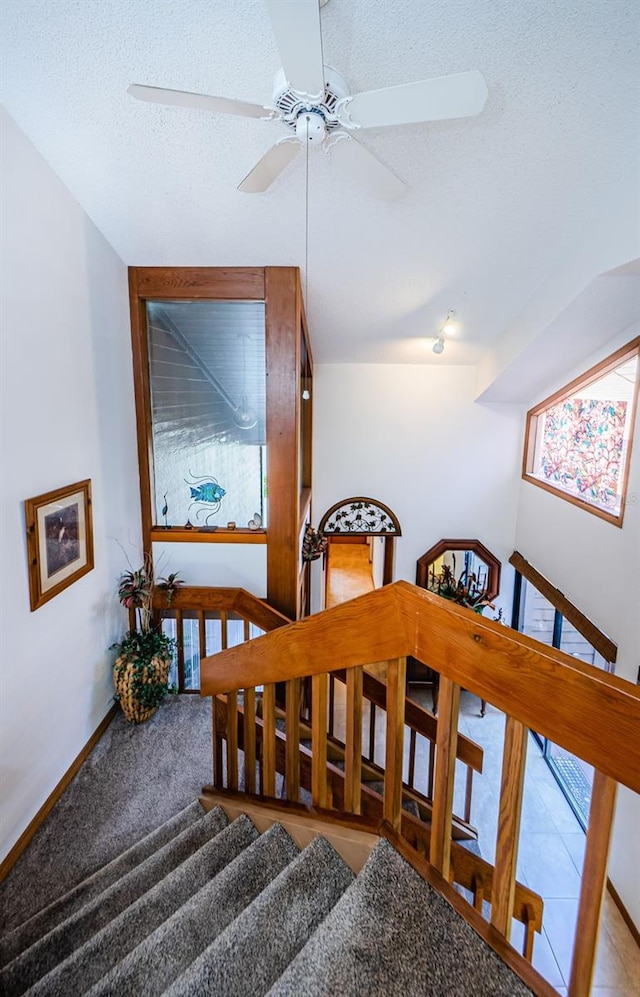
(452, 564)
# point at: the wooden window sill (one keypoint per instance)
(177, 534)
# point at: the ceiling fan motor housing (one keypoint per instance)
(310, 119)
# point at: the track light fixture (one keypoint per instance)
(448, 327)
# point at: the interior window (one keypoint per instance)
(207, 376)
(578, 441)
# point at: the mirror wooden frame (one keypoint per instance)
(493, 564)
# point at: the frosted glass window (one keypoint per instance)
(207, 373)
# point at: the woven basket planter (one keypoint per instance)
(127, 674)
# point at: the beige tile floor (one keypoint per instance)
(551, 846)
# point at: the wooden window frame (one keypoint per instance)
(626, 352)
(285, 328)
(443, 546)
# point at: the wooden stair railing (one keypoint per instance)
(419, 722)
(535, 686)
(371, 799)
(468, 870)
(203, 604)
(226, 604)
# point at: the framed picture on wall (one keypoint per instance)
(59, 540)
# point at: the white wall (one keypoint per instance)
(67, 414)
(412, 437)
(597, 566)
(213, 564)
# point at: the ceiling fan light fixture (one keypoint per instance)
(311, 128)
(438, 346)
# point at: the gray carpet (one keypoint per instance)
(134, 779)
(196, 905)
(392, 935)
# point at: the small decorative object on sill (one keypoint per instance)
(144, 654)
(314, 544)
(256, 522)
(188, 525)
(164, 511)
(231, 525)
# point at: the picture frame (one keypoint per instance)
(59, 528)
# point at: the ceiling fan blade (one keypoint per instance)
(458, 96)
(296, 26)
(270, 166)
(199, 101)
(365, 168)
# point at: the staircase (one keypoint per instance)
(206, 904)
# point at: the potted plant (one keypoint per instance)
(144, 654)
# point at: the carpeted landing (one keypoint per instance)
(204, 906)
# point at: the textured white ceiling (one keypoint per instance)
(490, 199)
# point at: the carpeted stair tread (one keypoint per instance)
(171, 948)
(88, 963)
(45, 920)
(255, 949)
(392, 935)
(36, 961)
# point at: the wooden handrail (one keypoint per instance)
(546, 689)
(235, 600)
(585, 627)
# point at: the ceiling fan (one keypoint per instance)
(317, 105)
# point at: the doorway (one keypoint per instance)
(360, 553)
(348, 569)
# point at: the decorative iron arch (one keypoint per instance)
(360, 516)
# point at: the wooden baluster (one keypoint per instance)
(432, 769)
(216, 743)
(232, 740)
(478, 891)
(372, 731)
(467, 795)
(319, 709)
(249, 740)
(508, 837)
(292, 725)
(396, 692)
(528, 919)
(594, 872)
(412, 757)
(353, 742)
(268, 785)
(247, 630)
(180, 636)
(224, 641)
(202, 637)
(446, 742)
(332, 695)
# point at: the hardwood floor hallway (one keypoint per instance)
(349, 572)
